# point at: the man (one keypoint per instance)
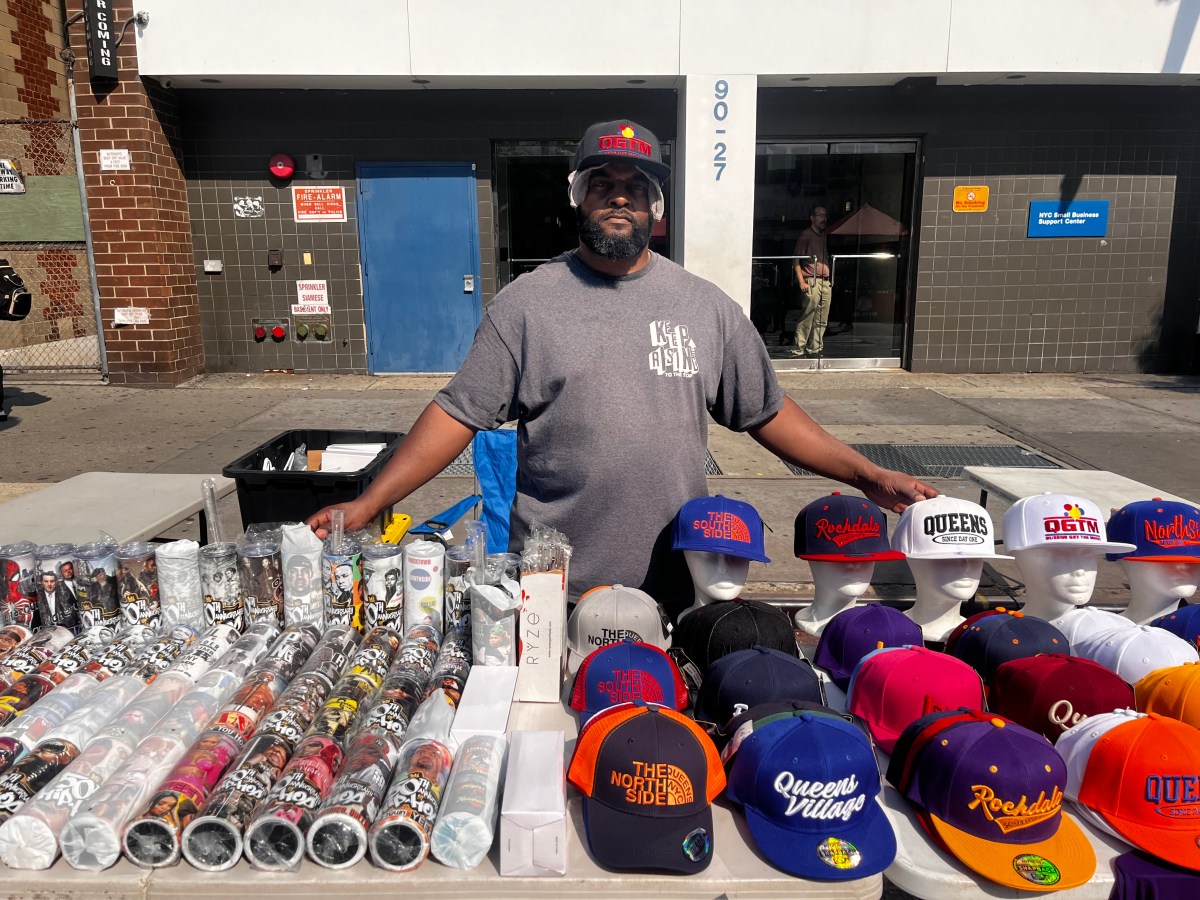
(812, 275)
(611, 359)
(55, 605)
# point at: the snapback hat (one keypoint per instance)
(621, 141)
(996, 639)
(1173, 692)
(1053, 692)
(893, 686)
(1075, 747)
(855, 632)
(1183, 623)
(946, 528)
(1136, 651)
(1057, 520)
(901, 768)
(762, 714)
(605, 615)
(720, 525)
(717, 629)
(1160, 530)
(648, 776)
(1083, 623)
(744, 678)
(626, 672)
(809, 788)
(843, 528)
(961, 628)
(1141, 777)
(992, 793)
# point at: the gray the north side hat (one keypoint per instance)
(621, 141)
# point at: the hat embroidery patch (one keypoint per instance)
(654, 784)
(674, 353)
(1179, 532)
(820, 799)
(1063, 714)
(628, 685)
(1071, 526)
(626, 142)
(847, 532)
(838, 854)
(723, 526)
(613, 636)
(1178, 794)
(956, 528)
(1015, 816)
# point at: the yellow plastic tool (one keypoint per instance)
(397, 528)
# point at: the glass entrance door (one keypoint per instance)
(836, 216)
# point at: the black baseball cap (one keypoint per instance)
(718, 629)
(621, 141)
(746, 678)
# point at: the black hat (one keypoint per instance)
(621, 141)
(746, 678)
(718, 629)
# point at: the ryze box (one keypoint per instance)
(542, 629)
(533, 818)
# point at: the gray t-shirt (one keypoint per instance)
(611, 382)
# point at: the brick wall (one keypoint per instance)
(140, 225)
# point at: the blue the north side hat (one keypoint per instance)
(843, 528)
(809, 786)
(1162, 531)
(719, 525)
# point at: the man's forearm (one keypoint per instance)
(433, 443)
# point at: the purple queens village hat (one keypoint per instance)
(719, 525)
(809, 786)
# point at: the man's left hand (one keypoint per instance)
(896, 490)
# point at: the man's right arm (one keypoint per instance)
(433, 443)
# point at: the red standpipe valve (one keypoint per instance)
(259, 332)
(278, 333)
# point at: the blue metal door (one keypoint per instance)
(419, 236)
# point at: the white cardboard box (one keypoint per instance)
(542, 628)
(533, 818)
(485, 703)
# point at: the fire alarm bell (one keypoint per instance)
(275, 259)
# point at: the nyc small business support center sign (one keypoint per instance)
(1074, 218)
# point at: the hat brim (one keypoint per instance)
(1152, 559)
(622, 840)
(798, 852)
(738, 550)
(1178, 847)
(956, 554)
(1100, 547)
(661, 171)
(1068, 852)
(880, 556)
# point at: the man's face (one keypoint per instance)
(68, 571)
(614, 218)
(49, 581)
(300, 577)
(389, 578)
(818, 219)
(343, 577)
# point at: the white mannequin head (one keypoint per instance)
(943, 585)
(836, 586)
(1057, 578)
(1156, 587)
(715, 576)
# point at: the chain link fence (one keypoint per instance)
(41, 237)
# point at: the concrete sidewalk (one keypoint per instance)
(1144, 427)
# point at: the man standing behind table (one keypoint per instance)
(611, 359)
(816, 288)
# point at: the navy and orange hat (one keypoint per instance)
(843, 528)
(994, 640)
(626, 672)
(719, 525)
(648, 776)
(621, 141)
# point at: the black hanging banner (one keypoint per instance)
(101, 44)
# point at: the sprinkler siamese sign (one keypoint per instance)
(312, 299)
(319, 204)
(1073, 218)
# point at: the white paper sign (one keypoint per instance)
(11, 180)
(131, 315)
(313, 299)
(114, 160)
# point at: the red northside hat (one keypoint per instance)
(1142, 778)
(648, 776)
(1053, 692)
(621, 141)
(992, 792)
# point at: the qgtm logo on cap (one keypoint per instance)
(626, 142)
(847, 532)
(723, 526)
(654, 784)
(1073, 525)
(628, 685)
(956, 528)
(1009, 816)
(1179, 532)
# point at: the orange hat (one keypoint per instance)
(1171, 692)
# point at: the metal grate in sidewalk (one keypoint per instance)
(945, 460)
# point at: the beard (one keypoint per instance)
(613, 246)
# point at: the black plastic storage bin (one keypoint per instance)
(279, 496)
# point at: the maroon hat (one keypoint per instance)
(1052, 692)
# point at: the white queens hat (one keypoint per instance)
(946, 528)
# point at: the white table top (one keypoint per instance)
(1108, 490)
(130, 506)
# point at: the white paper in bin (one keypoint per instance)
(533, 818)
